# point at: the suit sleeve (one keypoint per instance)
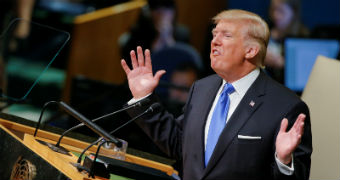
(162, 127)
(303, 152)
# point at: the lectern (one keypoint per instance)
(23, 157)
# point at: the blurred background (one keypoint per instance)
(82, 42)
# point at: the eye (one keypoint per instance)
(227, 35)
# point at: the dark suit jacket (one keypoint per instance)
(233, 158)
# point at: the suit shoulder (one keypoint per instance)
(277, 90)
(209, 79)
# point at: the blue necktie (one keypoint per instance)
(218, 121)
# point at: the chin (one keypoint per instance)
(215, 63)
(215, 68)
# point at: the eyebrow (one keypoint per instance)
(223, 31)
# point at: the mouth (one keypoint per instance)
(215, 52)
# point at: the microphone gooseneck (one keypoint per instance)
(137, 104)
(151, 109)
(41, 115)
(154, 107)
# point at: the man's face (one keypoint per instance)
(227, 47)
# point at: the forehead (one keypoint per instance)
(232, 26)
(227, 25)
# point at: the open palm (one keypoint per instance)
(286, 142)
(141, 79)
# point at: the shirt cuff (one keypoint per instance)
(284, 169)
(133, 100)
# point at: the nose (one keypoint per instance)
(215, 40)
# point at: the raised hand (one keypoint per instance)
(286, 142)
(141, 79)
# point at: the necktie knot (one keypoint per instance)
(228, 88)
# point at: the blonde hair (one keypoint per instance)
(257, 28)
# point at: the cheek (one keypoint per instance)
(212, 60)
(219, 63)
(213, 63)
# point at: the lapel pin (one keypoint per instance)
(252, 103)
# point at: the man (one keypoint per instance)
(253, 141)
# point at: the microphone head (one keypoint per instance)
(155, 107)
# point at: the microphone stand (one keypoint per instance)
(95, 142)
(151, 109)
(137, 104)
(41, 115)
(91, 173)
(82, 119)
(91, 170)
(87, 148)
(51, 146)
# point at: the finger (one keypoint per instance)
(125, 67)
(302, 127)
(301, 122)
(284, 125)
(302, 117)
(133, 59)
(140, 56)
(148, 59)
(298, 122)
(159, 74)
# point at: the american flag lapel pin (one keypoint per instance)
(252, 103)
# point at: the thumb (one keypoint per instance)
(159, 74)
(284, 125)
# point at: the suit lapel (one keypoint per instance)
(248, 105)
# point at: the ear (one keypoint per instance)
(252, 50)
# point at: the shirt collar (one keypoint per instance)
(242, 85)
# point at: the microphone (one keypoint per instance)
(154, 107)
(89, 124)
(137, 104)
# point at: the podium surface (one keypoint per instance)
(22, 155)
